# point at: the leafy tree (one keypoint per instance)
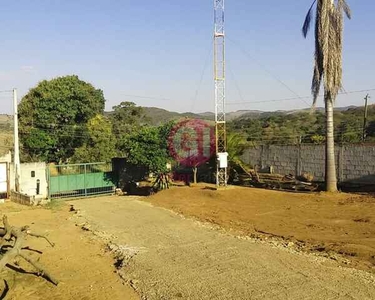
(370, 131)
(146, 147)
(328, 68)
(53, 115)
(100, 147)
(38, 145)
(126, 117)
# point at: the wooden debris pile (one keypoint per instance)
(12, 247)
(277, 181)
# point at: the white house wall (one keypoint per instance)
(28, 183)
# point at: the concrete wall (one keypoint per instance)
(28, 183)
(7, 158)
(5, 161)
(354, 163)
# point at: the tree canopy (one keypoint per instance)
(100, 146)
(53, 117)
(126, 117)
(147, 147)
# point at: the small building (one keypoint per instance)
(33, 180)
(5, 163)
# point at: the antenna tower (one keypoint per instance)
(219, 76)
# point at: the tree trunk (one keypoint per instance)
(330, 166)
(195, 171)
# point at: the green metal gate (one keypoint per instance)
(80, 180)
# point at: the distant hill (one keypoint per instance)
(6, 123)
(159, 115)
(285, 127)
(6, 134)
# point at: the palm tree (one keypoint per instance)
(236, 145)
(329, 24)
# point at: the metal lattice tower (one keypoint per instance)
(219, 75)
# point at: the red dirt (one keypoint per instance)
(321, 222)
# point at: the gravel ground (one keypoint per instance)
(166, 256)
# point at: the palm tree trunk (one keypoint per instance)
(195, 171)
(330, 174)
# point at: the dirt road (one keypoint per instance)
(331, 224)
(170, 257)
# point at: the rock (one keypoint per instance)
(119, 192)
(86, 227)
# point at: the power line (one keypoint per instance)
(58, 126)
(202, 75)
(267, 71)
(235, 83)
(262, 101)
(295, 98)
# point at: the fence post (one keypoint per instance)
(84, 180)
(298, 166)
(340, 163)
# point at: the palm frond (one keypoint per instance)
(345, 7)
(308, 18)
(316, 81)
(333, 71)
(329, 25)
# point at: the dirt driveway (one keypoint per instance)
(166, 256)
(336, 225)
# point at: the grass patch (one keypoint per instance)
(54, 205)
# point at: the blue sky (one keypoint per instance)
(158, 49)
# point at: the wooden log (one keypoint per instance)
(19, 235)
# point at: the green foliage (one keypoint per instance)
(146, 147)
(56, 112)
(305, 127)
(39, 144)
(318, 139)
(139, 143)
(158, 116)
(126, 117)
(236, 145)
(100, 147)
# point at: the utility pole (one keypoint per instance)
(365, 118)
(219, 76)
(17, 169)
